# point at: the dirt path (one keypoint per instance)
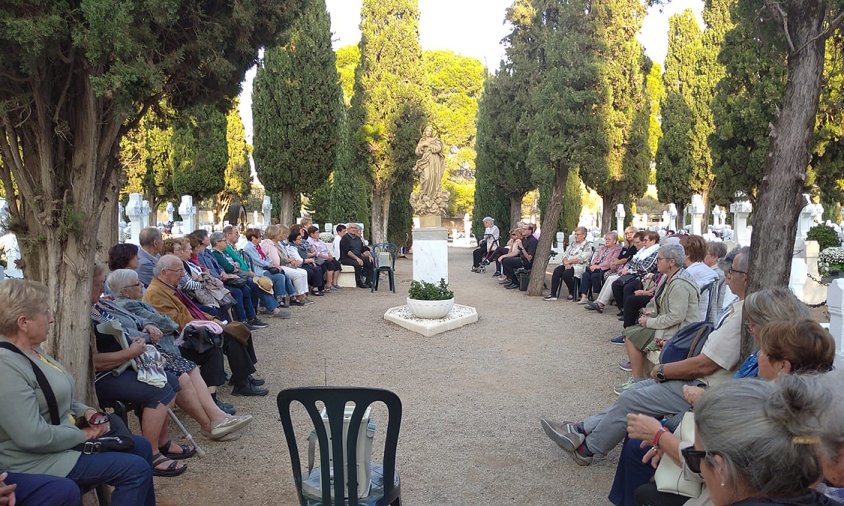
(472, 397)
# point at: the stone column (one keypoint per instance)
(267, 208)
(741, 210)
(188, 213)
(135, 211)
(697, 214)
(835, 304)
(619, 220)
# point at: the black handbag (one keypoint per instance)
(273, 270)
(235, 283)
(200, 339)
(118, 439)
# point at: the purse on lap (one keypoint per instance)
(669, 476)
(118, 439)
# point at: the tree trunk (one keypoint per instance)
(550, 218)
(779, 200)
(288, 198)
(515, 209)
(109, 228)
(608, 215)
(380, 214)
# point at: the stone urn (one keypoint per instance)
(430, 309)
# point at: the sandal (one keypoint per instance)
(185, 453)
(171, 470)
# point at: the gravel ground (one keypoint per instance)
(472, 397)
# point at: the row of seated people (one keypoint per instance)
(653, 403)
(511, 258)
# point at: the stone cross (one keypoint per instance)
(134, 211)
(267, 208)
(619, 220)
(188, 213)
(741, 210)
(697, 214)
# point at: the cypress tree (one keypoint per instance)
(388, 110)
(200, 152)
(296, 109)
(238, 175)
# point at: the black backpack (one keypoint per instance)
(686, 343)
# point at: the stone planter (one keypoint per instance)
(430, 309)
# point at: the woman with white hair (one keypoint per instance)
(575, 259)
(486, 245)
(674, 305)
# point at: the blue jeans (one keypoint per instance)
(280, 283)
(129, 473)
(40, 489)
(243, 307)
(267, 300)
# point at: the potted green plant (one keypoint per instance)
(430, 301)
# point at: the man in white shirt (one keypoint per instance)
(487, 244)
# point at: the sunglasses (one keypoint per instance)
(694, 457)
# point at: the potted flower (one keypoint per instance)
(831, 262)
(430, 301)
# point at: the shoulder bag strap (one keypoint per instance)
(52, 405)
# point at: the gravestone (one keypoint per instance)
(741, 232)
(619, 219)
(267, 208)
(135, 213)
(696, 210)
(188, 213)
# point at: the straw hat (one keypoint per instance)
(264, 284)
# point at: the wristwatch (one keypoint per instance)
(660, 373)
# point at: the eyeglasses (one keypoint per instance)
(694, 457)
(133, 286)
(175, 270)
(660, 258)
(734, 271)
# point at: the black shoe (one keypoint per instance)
(496, 274)
(296, 303)
(257, 381)
(255, 323)
(250, 390)
(621, 318)
(511, 286)
(225, 407)
(620, 313)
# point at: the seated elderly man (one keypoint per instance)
(149, 253)
(663, 394)
(165, 296)
(353, 252)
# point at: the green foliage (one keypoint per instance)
(683, 159)
(625, 108)
(388, 110)
(422, 290)
(350, 194)
(347, 58)
(145, 156)
(200, 152)
(502, 149)
(825, 235)
(296, 107)
(826, 170)
(746, 100)
(572, 201)
(238, 177)
(401, 214)
(655, 91)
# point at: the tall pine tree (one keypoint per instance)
(388, 109)
(296, 111)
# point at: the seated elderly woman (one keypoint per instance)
(260, 264)
(277, 256)
(324, 259)
(798, 346)
(674, 305)
(601, 264)
(164, 295)
(30, 441)
(756, 441)
(110, 355)
(139, 319)
(704, 275)
(512, 249)
(295, 247)
(632, 241)
(575, 259)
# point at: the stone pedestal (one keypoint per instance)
(430, 254)
(430, 221)
(835, 303)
